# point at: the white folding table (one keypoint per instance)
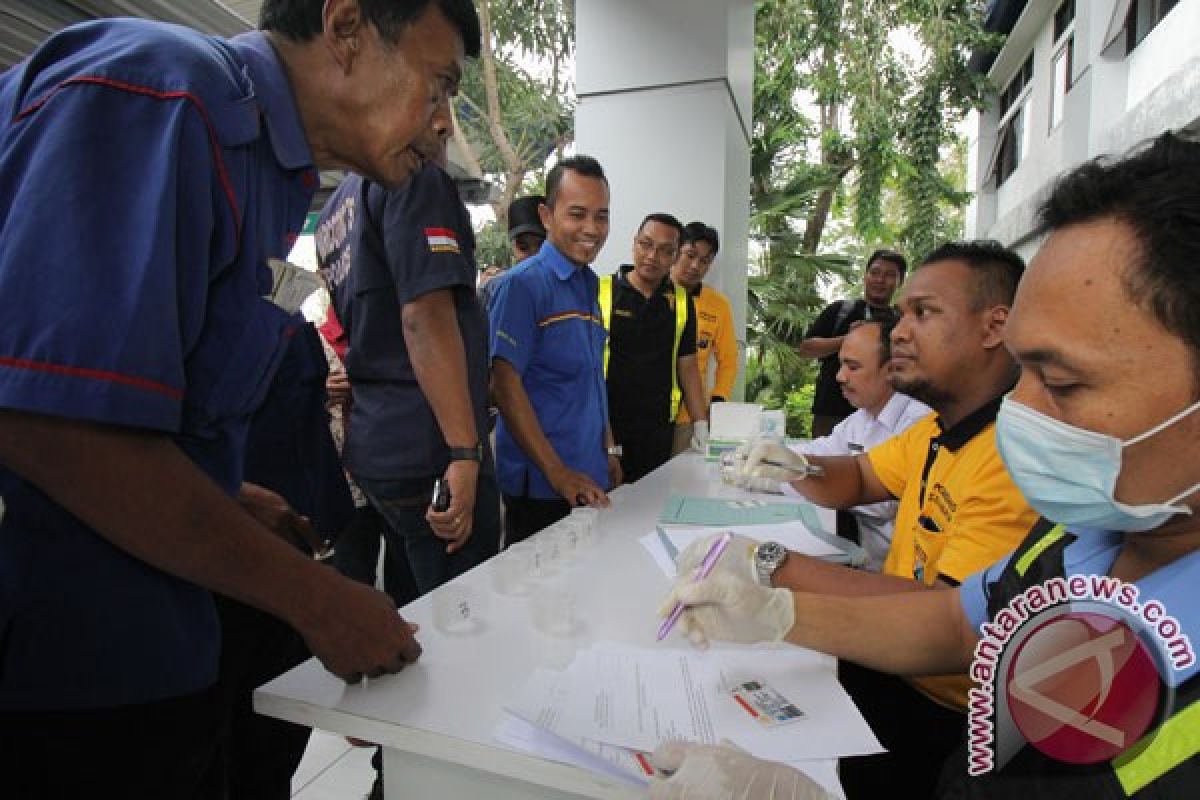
(435, 718)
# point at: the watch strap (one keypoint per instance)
(467, 453)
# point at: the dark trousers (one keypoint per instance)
(258, 754)
(357, 556)
(918, 734)
(525, 516)
(153, 751)
(645, 449)
(403, 505)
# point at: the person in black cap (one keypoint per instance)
(525, 232)
(525, 229)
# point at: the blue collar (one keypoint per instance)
(1173, 585)
(275, 99)
(562, 267)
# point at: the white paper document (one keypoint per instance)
(638, 697)
(792, 535)
(533, 724)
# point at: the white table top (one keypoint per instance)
(447, 705)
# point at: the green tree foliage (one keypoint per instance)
(856, 106)
(515, 104)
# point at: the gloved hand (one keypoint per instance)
(738, 558)
(726, 772)
(700, 435)
(730, 608)
(770, 450)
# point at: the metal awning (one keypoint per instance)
(24, 24)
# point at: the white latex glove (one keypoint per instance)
(700, 435)
(725, 772)
(730, 608)
(770, 450)
(738, 558)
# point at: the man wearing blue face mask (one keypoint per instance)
(1081, 641)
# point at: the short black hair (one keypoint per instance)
(663, 218)
(891, 256)
(997, 269)
(1155, 190)
(301, 20)
(886, 324)
(699, 232)
(580, 165)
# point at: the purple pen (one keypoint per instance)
(706, 568)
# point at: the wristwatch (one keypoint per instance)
(768, 556)
(616, 450)
(467, 453)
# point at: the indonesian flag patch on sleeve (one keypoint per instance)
(442, 240)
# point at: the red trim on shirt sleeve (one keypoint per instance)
(161, 95)
(93, 374)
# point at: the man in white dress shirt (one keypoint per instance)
(882, 413)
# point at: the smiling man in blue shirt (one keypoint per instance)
(547, 350)
(146, 174)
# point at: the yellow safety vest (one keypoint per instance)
(606, 292)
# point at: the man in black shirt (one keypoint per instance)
(651, 356)
(884, 272)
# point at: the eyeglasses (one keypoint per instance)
(647, 245)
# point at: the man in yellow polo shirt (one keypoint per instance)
(959, 510)
(715, 335)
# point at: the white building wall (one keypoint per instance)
(665, 94)
(1115, 102)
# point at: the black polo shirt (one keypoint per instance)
(828, 399)
(641, 337)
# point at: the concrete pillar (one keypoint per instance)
(665, 93)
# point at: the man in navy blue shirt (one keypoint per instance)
(402, 273)
(146, 174)
(554, 447)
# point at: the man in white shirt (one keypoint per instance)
(882, 413)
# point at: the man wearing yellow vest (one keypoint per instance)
(650, 360)
(715, 334)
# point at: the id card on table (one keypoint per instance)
(766, 705)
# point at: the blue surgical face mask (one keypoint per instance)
(1069, 475)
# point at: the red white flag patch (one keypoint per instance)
(442, 240)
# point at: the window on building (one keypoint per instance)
(1143, 16)
(1011, 141)
(1061, 65)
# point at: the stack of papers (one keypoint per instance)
(616, 703)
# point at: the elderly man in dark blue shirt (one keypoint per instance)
(148, 172)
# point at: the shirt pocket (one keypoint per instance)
(929, 540)
(233, 364)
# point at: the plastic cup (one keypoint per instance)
(567, 531)
(457, 609)
(547, 553)
(587, 521)
(510, 571)
(552, 607)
